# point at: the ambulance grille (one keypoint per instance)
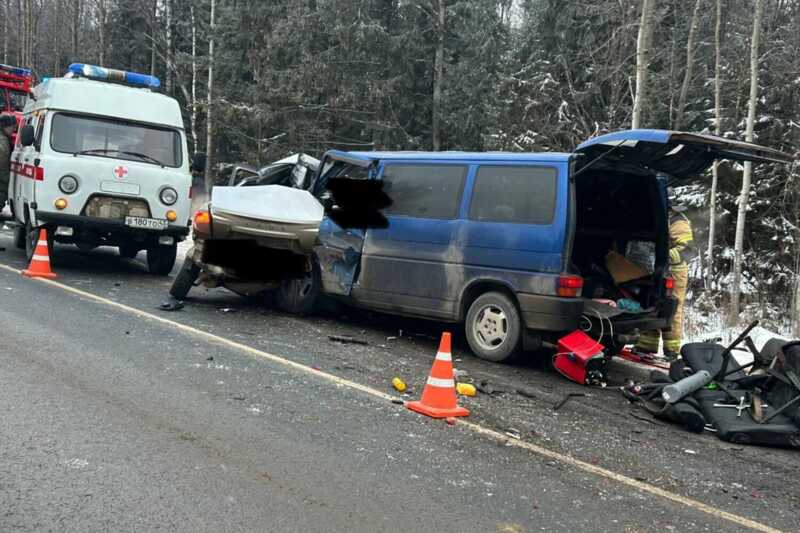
(116, 208)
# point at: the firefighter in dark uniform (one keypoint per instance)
(8, 124)
(681, 242)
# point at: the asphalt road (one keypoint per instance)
(112, 421)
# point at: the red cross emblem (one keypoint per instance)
(120, 172)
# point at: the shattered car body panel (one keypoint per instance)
(252, 235)
(277, 215)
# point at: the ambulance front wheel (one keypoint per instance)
(20, 236)
(161, 259)
(32, 239)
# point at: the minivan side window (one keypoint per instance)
(515, 194)
(424, 191)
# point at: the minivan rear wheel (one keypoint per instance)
(494, 328)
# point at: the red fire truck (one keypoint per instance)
(15, 85)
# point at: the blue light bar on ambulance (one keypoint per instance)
(100, 73)
(17, 71)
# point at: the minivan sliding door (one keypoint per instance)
(414, 265)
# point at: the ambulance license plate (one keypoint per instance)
(146, 223)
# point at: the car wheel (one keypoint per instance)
(493, 327)
(185, 279)
(128, 251)
(32, 239)
(20, 236)
(299, 295)
(161, 259)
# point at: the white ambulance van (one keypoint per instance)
(101, 160)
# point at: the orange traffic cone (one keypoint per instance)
(40, 262)
(439, 396)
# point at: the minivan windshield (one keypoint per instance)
(116, 139)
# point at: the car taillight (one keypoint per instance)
(570, 286)
(202, 222)
(669, 285)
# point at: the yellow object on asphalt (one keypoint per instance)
(399, 384)
(466, 389)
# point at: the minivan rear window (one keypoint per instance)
(515, 194)
(424, 191)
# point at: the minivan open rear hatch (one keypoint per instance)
(620, 238)
(675, 153)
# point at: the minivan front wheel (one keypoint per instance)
(299, 295)
(493, 327)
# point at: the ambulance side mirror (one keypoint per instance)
(198, 163)
(27, 135)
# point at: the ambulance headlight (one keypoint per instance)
(68, 184)
(168, 196)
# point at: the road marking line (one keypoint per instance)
(477, 428)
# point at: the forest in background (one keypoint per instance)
(260, 79)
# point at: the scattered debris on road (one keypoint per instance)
(567, 398)
(399, 385)
(466, 389)
(170, 304)
(347, 340)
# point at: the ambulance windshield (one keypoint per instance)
(116, 139)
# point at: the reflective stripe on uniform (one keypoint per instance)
(648, 341)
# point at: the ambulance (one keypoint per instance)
(101, 160)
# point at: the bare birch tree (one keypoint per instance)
(210, 175)
(744, 197)
(712, 210)
(687, 76)
(642, 59)
(438, 75)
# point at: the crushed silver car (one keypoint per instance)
(256, 234)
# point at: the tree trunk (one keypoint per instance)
(5, 31)
(687, 77)
(153, 34)
(712, 210)
(101, 7)
(168, 54)
(438, 74)
(210, 175)
(748, 166)
(193, 114)
(642, 59)
(76, 21)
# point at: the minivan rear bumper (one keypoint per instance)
(550, 313)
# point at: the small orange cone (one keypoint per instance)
(40, 262)
(439, 395)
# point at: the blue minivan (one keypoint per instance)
(513, 245)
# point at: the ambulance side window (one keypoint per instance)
(39, 129)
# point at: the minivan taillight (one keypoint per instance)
(202, 222)
(570, 286)
(669, 285)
